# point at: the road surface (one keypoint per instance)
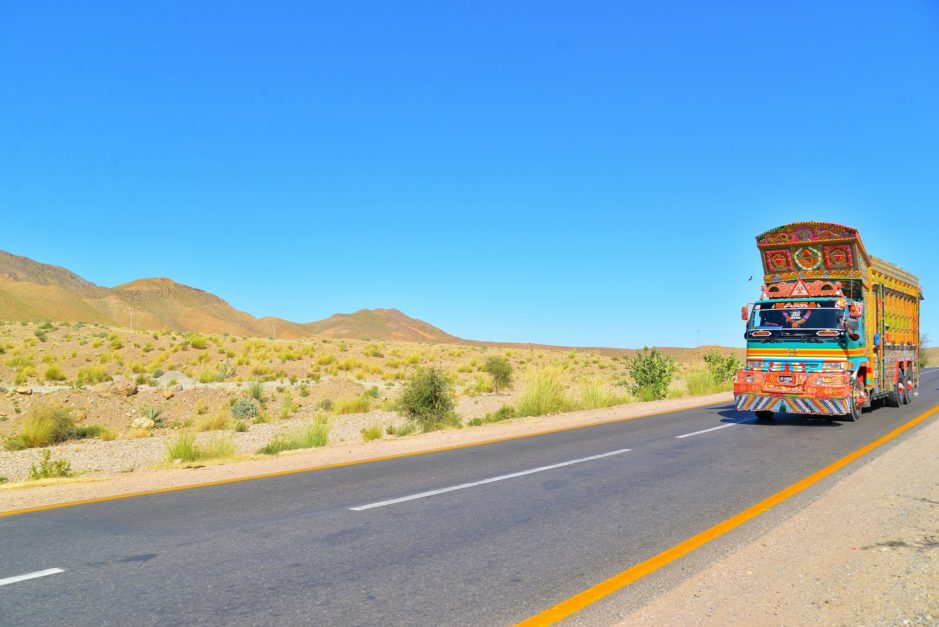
(490, 534)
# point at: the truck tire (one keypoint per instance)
(904, 393)
(854, 410)
(764, 416)
(893, 396)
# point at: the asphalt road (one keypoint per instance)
(484, 535)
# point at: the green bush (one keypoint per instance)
(722, 369)
(244, 409)
(428, 399)
(651, 372)
(48, 469)
(198, 342)
(500, 370)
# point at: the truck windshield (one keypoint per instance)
(802, 316)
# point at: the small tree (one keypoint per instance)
(923, 357)
(428, 399)
(500, 370)
(722, 368)
(651, 372)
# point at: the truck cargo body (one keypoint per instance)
(834, 330)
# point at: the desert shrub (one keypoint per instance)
(54, 373)
(214, 422)
(20, 362)
(313, 435)
(326, 404)
(500, 370)
(90, 431)
(651, 372)
(256, 391)
(244, 409)
(156, 374)
(406, 429)
(90, 375)
(543, 394)
(153, 413)
(358, 405)
(224, 372)
(185, 448)
(40, 334)
(702, 382)
(240, 426)
(217, 448)
(722, 369)
(49, 469)
(428, 399)
(595, 395)
(503, 413)
(198, 342)
(372, 432)
(44, 426)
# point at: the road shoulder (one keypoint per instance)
(866, 551)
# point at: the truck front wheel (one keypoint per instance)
(854, 407)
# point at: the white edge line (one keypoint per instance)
(28, 576)
(463, 486)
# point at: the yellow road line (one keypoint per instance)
(617, 582)
(370, 460)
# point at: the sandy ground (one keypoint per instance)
(125, 475)
(865, 552)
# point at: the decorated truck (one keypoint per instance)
(834, 330)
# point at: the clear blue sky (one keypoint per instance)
(569, 173)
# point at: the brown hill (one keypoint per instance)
(34, 291)
(379, 324)
(15, 268)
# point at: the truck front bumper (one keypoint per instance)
(826, 394)
(793, 404)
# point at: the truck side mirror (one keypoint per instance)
(851, 326)
(744, 313)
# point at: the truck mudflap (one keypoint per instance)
(793, 404)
